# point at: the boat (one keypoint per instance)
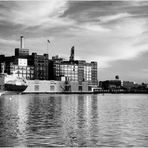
(12, 84)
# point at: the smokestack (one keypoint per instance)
(21, 42)
(72, 54)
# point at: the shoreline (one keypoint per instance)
(138, 92)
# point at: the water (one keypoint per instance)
(74, 120)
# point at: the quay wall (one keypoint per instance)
(37, 86)
(51, 86)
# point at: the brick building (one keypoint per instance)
(74, 70)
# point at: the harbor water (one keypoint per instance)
(74, 120)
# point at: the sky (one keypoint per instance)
(113, 33)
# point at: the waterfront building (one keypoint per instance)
(55, 65)
(39, 67)
(17, 65)
(24, 65)
(69, 70)
(74, 70)
(40, 64)
(110, 84)
(30, 67)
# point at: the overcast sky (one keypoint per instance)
(113, 33)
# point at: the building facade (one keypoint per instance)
(18, 66)
(21, 52)
(39, 67)
(40, 64)
(78, 70)
(110, 84)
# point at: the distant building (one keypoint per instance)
(94, 73)
(110, 84)
(128, 85)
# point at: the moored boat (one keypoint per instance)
(12, 84)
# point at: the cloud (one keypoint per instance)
(145, 70)
(95, 27)
(34, 13)
(131, 27)
(4, 41)
(112, 42)
(108, 18)
(103, 31)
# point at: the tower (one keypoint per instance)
(72, 54)
(21, 42)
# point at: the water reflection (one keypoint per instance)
(74, 120)
(13, 111)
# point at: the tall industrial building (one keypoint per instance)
(39, 67)
(40, 64)
(75, 70)
(24, 65)
(18, 64)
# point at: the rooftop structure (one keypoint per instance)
(21, 51)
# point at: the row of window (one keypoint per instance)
(21, 67)
(72, 76)
(70, 73)
(69, 66)
(72, 69)
(26, 76)
(22, 71)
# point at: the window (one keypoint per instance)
(36, 87)
(80, 88)
(52, 87)
(89, 88)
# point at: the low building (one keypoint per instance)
(110, 84)
(128, 85)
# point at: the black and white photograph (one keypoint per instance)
(73, 73)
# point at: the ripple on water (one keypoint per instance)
(74, 120)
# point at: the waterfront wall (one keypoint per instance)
(44, 86)
(84, 87)
(2, 81)
(37, 86)
(74, 86)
